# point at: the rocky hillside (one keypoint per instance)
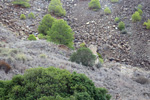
(123, 53)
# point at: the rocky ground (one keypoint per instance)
(123, 79)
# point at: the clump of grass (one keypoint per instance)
(140, 11)
(43, 56)
(136, 17)
(94, 5)
(31, 15)
(107, 10)
(22, 17)
(139, 6)
(147, 24)
(31, 37)
(117, 19)
(41, 36)
(83, 45)
(121, 26)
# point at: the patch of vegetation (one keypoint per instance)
(140, 11)
(51, 84)
(46, 24)
(23, 3)
(100, 58)
(136, 17)
(139, 6)
(43, 56)
(114, 1)
(94, 5)
(107, 10)
(55, 7)
(147, 24)
(82, 44)
(21, 57)
(31, 15)
(31, 37)
(121, 26)
(83, 56)
(117, 19)
(22, 17)
(61, 33)
(41, 36)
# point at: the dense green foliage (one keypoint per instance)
(83, 56)
(61, 33)
(45, 24)
(55, 7)
(114, 1)
(31, 15)
(147, 24)
(107, 10)
(136, 17)
(31, 37)
(117, 19)
(51, 84)
(23, 3)
(22, 17)
(95, 5)
(140, 11)
(121, 26)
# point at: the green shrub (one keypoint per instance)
(31, 15)
(22, 17)
(114, 1)
(55, 7)
(107, 10)
(61, 33)
(147, 24)
(136, 17)
(95, 5)
(121, 26)
(82, 44)
(83, 56)
(100, 58)
(23, 3)
(51, 84)
(45, 24)
(140, 11)
(139, 6)
(41, 36)
(31, 37)
(117, 19)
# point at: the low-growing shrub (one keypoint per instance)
(61, 33)
(23, 3)
(139, 6)
(51, 84)
(107, 10)
(22, 17)
(117, 19)
(140, 11)
(136, 17)
(31, 37)
(55, 7)
(114, 1)
(95, 5)
(83, 56)
(41, 36)
(82, 44)
(121, 26)
(31, 15)
(147, 24)
(45, 24)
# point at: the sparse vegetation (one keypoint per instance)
(45, 24)
(107, 10)
(83, 56)
(31, 15)
(94, 5)
(23, 3)
(51, 84)
(140, 11)
(21, 57)
(139, 6)
(117, 19)
(61, 33)
(147, 24)
(100, 58)
(114, 1)
(82, 44)
(121, 26)
(22, 17)
(55, 7)
(31, 37)
(43, 56)
(136, 17)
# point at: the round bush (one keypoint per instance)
(61, 33)
(107, 10)
(94, 4)
(45, 24)
(22, 17)
(140, 11)
(83, 56)
(121, 25)
(147, 24)
(56, 8)
(117, 19)
(51, 84)
(31, 37)
(31, 15)
(136, 17)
